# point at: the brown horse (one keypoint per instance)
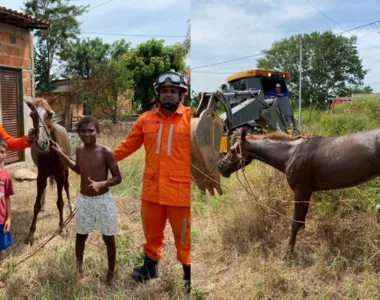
(310, 163)
(48, 163)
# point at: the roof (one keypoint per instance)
(18, 19)
(257, 73)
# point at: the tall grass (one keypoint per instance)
(337, 255)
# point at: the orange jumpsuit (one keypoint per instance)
(167, 179)
(14, 144)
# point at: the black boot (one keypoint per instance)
(148, 271)
(186, 278)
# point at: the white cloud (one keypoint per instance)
(224, 30)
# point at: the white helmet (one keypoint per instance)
(171, 78)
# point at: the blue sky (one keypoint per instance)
(227, 29)
(143, 17)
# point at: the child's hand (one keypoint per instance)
(56, 147)
(95, 185)
(7, 225)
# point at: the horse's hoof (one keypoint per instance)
(63, 233)
(28, 240)
(288, 255)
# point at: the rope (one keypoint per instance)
(250, 191)
(67, 221)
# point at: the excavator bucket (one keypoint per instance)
(206, 134)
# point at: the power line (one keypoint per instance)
(324, 14)
(142, 35)
(101, 4)
(227, 61)
(361, 26)
(210, 72)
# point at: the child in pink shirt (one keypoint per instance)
(6, 190)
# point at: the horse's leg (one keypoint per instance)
(66, 186)
(301, 207)
(60, 182)
(41, 187)
(42, 209)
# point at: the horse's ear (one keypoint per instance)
(30, 104)
(244, 134)
(51, 101)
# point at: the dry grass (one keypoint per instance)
(237, 245)
(239, 249)
(51, 273)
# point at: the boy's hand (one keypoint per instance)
(97, 186)
(7, 225)
(56, 147)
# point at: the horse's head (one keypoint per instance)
(43, 122)
(238, 156)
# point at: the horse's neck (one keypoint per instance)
(275, 153)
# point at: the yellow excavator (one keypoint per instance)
(255, 99)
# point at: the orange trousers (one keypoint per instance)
(154, 217)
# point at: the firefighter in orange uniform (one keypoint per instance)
(17, 144)
(165, 133)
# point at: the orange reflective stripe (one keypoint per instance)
(166, 141)
(184, 229)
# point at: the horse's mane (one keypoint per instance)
(272, 136)
(58, 133)
(275, 136)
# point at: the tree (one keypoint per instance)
(82, 54)
(76, 94)
(147, 61)
(330, 65)
(365, 90)
(111, 82)
(64, 26)
(186, 44)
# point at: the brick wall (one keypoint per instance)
(16, 51)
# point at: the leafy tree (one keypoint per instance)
(119, 48)
(147, 61)
(365, 90)
(64, 26)
(81, 54)
(330, 65)
(111, 83)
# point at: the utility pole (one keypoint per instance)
(300, 85)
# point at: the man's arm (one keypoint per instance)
(115, 172)
(15, 144)
(73, 165)
(132, 143)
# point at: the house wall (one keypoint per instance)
(77, 107)
(16, 52)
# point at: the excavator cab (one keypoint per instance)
(251, 101)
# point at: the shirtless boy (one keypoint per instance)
(95, 202)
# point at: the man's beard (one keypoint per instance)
(169, 106)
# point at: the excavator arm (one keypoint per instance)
(207, 128)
